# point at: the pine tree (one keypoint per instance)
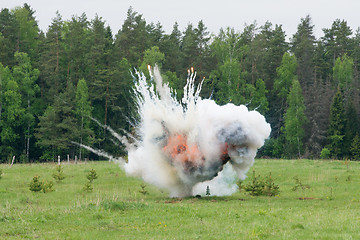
(337, 42)
(27, 41)
(48, 133)
(76, 48)
(132, 40)
(52, 69)
(171, 50)
(355, 148)
(9, 31)
(352, 127)
(336, 132)
(207, 191)
(303, 46)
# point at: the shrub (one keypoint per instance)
(47, 187)
(300, 185)
(262, 187)
(58, 175)
(207, 191)
(88, 187)
(270, 188)
(92, 175)
(143, 191)
(325, 153)
(36, 185)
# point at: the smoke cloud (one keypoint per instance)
(185, 146)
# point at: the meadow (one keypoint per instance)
(122, 207)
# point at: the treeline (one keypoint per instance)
(51, 82)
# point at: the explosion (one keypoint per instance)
(185, 146)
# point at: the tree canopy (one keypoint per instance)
(52, 83)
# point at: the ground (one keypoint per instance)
(121, 207)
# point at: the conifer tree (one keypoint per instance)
(52, 69)
(28, 32)
(48, 133)
(355, 148)
(303, 47)
(336, 132)
(171, 50)
(9, 28)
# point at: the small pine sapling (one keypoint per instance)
(36, 185)
(270, 188)
(256, 186)
(47, 187)
(88, 187)
(207, 191)
(92, 175)
(300, 185)
(143, 191)
(260, 187)
(58, 175)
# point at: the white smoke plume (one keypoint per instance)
(184, 146)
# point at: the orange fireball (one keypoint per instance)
(188, 154)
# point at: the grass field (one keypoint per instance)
(116, 209)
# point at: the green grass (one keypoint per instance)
(117, 210)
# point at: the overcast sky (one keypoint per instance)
(215, 14)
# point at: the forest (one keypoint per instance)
(55, 85)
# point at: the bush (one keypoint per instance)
(300, 185)
(59, 174)
(143, 191)
(88, 187)
(262, 187)
(47, 187)
(325, 153)
(36, 185)
(92, 175)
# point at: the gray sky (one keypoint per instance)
(215, 14)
